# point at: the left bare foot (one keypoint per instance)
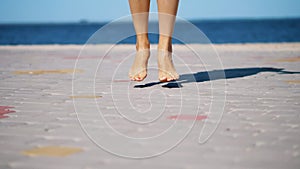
(166, 69)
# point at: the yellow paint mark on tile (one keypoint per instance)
(85, 97)
(293, 81)
(53, 151)
(39, 72)
(292, 59)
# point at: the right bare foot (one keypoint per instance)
(138, 70)
(166, 69)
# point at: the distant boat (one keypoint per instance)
(84, 21)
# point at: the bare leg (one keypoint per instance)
(140, 11)
(167, 14)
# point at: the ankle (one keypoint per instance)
(165, 48)
(165, 43)
(142, 42)
(142, 48)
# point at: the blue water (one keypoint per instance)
(218, 31)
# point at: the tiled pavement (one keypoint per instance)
(39, 127)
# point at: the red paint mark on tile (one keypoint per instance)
(81, 57)
(121, 80)
(5, 110)
(85, 97)
(187, 117)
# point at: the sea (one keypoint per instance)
(217, 31)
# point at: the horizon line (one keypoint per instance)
(86, 21)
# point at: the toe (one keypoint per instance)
(163, 79)
(176, 77)
(170, 79)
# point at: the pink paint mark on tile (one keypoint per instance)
(187, 117)
(81, 57)
(5, 110)
(121, 80)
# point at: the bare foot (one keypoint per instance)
(166, 67)
(138, 70)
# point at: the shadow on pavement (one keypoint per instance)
(215, 75)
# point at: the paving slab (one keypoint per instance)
(69, 106)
